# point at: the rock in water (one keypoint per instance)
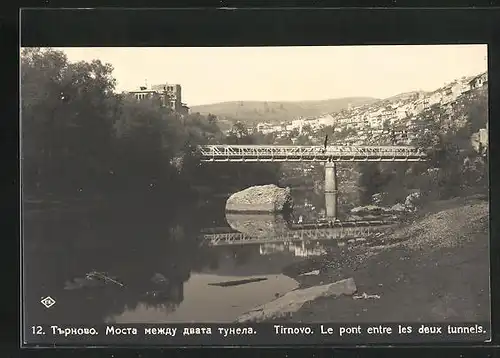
(263, 198)
(413, 200)
(398, 208)
(368, 209)
(158, 278)
(378, 198)
(294, 300)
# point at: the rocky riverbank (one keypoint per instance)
(436, 268)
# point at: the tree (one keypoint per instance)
(238, 135)
(212, 119)
(65, 107)
(303, 140)
(80, 136)
(307, 129)
(477, 112)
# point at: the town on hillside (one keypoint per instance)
(371, 123)
(393, 118)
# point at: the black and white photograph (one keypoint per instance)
(308, 184)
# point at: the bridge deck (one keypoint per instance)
(291, 153)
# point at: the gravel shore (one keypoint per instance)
(435, 268)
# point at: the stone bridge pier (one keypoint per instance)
(331, 190)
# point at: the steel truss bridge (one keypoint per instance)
(339, 231)
(292, 153)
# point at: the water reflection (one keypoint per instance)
(170, 261)
(134, 247)
(258, 225)
(206, 303)
(301, 250)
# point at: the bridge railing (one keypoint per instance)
(298, 235)
(262, 152)
(313, 226)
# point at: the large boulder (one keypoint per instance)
(291, 302)
(262, 198)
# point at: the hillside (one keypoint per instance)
(405, 96)
(253, 112)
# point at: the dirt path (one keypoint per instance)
(440, 272)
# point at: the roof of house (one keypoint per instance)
(474, 79)
(143, 91)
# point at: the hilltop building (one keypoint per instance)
(143, 93)
(265, 128)
(169, 95)
(479, 81)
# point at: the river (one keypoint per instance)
(150, 264)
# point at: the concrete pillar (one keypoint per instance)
(331, 205)
(330, 177)
(331, 190)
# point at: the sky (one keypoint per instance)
(219, 74)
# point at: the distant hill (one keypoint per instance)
(253, 112)
(405, 96)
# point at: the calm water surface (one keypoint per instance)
(164, 264)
